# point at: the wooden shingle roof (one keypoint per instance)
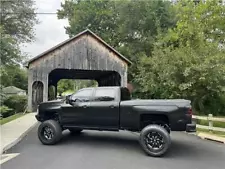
(87, 31)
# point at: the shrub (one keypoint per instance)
(16, 102)
(2, 95)
(6, 111)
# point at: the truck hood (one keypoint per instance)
(50, 105)
(158, 102)
(53, 102)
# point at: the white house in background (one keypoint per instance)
(12, 90)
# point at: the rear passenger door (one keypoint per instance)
(105, 108)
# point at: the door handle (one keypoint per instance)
(112, 106)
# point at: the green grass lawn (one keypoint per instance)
(10, 118)
(217, 133)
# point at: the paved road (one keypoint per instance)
(112, 150)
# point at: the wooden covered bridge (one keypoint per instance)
(84, 56)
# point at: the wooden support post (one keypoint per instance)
(210, 116)
(45, 91)
(30, 83)
(56, 91)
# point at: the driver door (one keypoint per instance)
(74, 114)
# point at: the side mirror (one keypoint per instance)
(73, 102)
(68, 99)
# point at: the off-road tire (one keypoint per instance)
(155, 140)
(55, 129)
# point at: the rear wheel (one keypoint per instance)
(49, 132)
(155, 140)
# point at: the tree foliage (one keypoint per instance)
(13, 75)
(9, 49)
(99, 16)
(189, 61)
(6, 111)
(16, 27)
(198, 24)
(186, 73)
(66, 85)
(17, 103)
(18, 19)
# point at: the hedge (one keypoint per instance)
(6, 111)
(16, 102)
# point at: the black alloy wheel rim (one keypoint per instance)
(154, 141)
(48, 133)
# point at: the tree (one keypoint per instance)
(18, 19)
(16, 26)
(198, 24)
(13, 75)
(198, 75)
(65, 85)
(98, 15)
(189, 61)
(9, 49)
(141, 22)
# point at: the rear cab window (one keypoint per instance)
(125, 94)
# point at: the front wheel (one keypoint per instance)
(49, 132)
(155, 140)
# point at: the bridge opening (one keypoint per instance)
(80, 78)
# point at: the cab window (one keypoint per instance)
(104, 94)
(82, 95)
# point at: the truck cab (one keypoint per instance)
(97, 108)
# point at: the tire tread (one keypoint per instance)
(57, 131)
(162, 131)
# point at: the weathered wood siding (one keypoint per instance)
(85, 52)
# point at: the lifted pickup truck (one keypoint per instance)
(111, 108)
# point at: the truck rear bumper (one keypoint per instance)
(191, 127)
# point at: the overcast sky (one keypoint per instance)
(50, 31)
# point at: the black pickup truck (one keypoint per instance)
(111, 108)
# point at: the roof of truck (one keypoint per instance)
(103, 87)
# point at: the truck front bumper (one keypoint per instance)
(191, 127)
(37, 117)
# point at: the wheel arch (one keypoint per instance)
(50, 115)
(147, 119)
